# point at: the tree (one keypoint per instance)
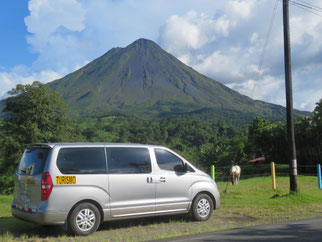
(35, 114)
(317, 130)
(317, 113)
(269, 139)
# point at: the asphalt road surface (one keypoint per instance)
(299, 230)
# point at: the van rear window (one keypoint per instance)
(33, 161)
(82, 161)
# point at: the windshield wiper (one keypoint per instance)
(22, 171)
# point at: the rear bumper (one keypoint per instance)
(40, 217)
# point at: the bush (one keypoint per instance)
(6, 184)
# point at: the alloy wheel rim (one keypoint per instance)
(203, 208)
(85, 219)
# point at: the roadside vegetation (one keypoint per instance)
(252, 202)
(38, 114)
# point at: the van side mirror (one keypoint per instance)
(183, 168)
(186, 167)
(180, 168)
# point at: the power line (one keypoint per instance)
(261, 60)
(305, 6)
(306, 9)
(302, 5)
(310, 4)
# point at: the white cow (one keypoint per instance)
(235, 174)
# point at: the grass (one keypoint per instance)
(252, 202)
(256, 199)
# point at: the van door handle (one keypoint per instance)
(162, 179)
(149, 179)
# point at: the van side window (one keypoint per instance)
(81, 161)
(123, 160)
(168, 161)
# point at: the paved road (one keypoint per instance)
(300, 230)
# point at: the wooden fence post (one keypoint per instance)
(273, 175)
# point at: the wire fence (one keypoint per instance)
(222, 173)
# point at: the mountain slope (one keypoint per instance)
(144, 80)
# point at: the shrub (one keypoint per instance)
(6, 184)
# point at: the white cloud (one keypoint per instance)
(254, 37)
(22, 75)
(5, 79)
(268, 87)
(47, 16)
(306, 99)
(181, 32)
(233, 56)
(221, 66)
(191, 31)
(82, 65)
(242, 8)
(305, 26)
(186, 59)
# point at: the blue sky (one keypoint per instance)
(46, 39)
(14, 48)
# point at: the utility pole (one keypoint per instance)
(289, 98)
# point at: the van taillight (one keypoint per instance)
(46, 186)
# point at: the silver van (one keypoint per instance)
(83, 184)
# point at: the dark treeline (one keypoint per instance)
(200, 141)
(205, 142)
(270, 139)
(38, 114)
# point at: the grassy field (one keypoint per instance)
(252, 202)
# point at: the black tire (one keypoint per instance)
(84, 219)
(202, 207)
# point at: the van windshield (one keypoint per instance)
(33, 161)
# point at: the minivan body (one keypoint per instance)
(84, 184)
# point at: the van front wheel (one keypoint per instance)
(84, 219)
(202, 207)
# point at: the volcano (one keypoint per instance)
(144, 80)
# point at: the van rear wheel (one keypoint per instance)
(202, 207)
(84, 219)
